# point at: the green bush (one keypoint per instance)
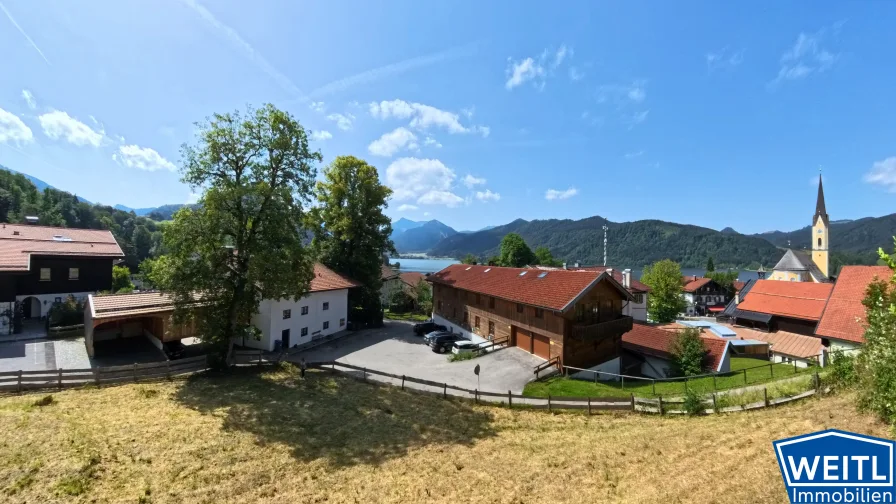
(66, 313)
(462, 356)
(843, 369)
(693, 402)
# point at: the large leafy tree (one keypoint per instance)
(665, 301)
(244, 242)
(351, 232)
(544, 257)
(688, 352)
(877, 362)
(514, 251)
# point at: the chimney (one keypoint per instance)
(609, 272)
(564, 265)
(576, 264)
(627, 278)
(736, 298)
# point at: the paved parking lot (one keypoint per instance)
(395, 349)
(43, 355)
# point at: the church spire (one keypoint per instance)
(820, 210)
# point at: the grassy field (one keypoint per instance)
(272, 437)
(411, 317)
(561, 386)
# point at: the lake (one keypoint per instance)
(433, 265)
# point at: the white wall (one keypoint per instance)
(637, 311)
(470, 335)
(269, 319)
(47, 300)
(785, 359)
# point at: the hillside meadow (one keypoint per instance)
(271, 437)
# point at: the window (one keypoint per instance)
(326, 325)
(639, 298)
(491, 328)
(519, 308)
(73, 273)
(287, 314)
(539, 313)
(477, 322)
(45, 274)
(491, 303)
(341, 322)
(304, 310)
(326, 306)
(284, 337)
(819, 241)
(304, 331)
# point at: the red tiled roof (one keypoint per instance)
(844, 315)
(802, 300)
(412, 278)
(650, 340)
(738, 285)
(636, 285)
(387, 272)
(18, 242)
(784, 342)
(692, 283)
(554, 289)
(326, 279)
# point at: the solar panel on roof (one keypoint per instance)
(523, 273)
(468, 268)
(487, 270)
(543, 275)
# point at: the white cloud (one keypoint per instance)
(633, 155)
(471, 181)
(724, 59)
(808, 55)
(561, 55)
(142, 158)
(883, 173)
(14, 23)
(623, 94)
(406, 208)
(487, 195)
(522, 71)
(12, 129)
(58, 124)
(343, 121)
(426, 181)
(393, 141)
(29, 99)
(554, 194)
(468, 111)
(423, 116)
(575, 74)
(317, 106)
(321, 135)
(430, 141)
(426, 214)
(248, 51)
(637, 118)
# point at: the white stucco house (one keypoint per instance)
(285, 323)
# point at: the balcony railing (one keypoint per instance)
(610, 328)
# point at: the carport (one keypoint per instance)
(116, 317)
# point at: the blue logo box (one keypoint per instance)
(837, 466)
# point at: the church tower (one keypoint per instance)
(821, 234)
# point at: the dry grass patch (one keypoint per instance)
(272, 437)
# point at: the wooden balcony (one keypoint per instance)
(600, 330)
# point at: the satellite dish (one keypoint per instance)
(476, 370)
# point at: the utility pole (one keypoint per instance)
(605, 244)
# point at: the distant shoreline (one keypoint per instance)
(423, 256)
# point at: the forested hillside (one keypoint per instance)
(861, 235)
(631, 244)
(138, 237)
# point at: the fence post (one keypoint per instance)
(59, 377)
(660, 397)
(589, 405)
(476, 395)
(168, 370)
(96, 377)
(402, 382)
(771, 369)
(633, 402)
(595, 377)
(549, 403)
(365, 373)
(20, 382)
(745, 376)
(715, 406)
(816, 381)
(714, 388)
(259, 358)
(135, 372)
(623, 383)
(765, 395)
(794, 366)
(686, 379)
(653, 385)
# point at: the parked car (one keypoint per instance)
(174, 349)
(430, 335)
(443, 342)
(427, 327)
(465, 347)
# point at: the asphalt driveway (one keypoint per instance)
(43, 355)
(395, 349)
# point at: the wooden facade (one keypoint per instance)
(93, 274)
(587, 334)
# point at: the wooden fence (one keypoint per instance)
(20, 381)
(550, 403)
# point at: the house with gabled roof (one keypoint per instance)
(842, 325)
(575, 317)
(648, 352)
(637, 307)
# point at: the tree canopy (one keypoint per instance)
(544, 257)
(244, 242)
(351, 232)
(469, 259)
(725, 279)
(688, 352)
(665, 301)
(514, 251)
(710, 265)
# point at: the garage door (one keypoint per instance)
(523, 340)
(541, 346)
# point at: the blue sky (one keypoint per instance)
(476, 113)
